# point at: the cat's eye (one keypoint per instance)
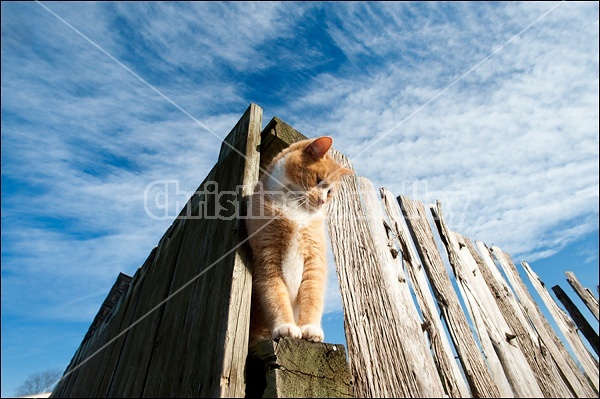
(319, 180)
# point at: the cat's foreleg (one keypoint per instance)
(275, 303)
(311, 299)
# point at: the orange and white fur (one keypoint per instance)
(287, 236)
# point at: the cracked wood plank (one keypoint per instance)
(571, 374)
(288, 368)
(474, 366)
(582, 323)
(547, 375)
(584, 293)
(452, 379)
(566, 326)
(493, 329)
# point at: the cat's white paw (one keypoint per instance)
(312, 332)
(286, 330)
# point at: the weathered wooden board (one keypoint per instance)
(548, 377)
(201, 344)
(206, 328)
(572, 375)
(448, 369)
(276, 137)
(416, 355)
(369, 317)
(117, 330)
(474, 366)
(584, 293)
(131, 371)
(566, 326)
(512, 364)
(89, 365)
(292, 368)
(581, 322)
(480, 309)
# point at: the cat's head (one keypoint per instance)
(307, 173)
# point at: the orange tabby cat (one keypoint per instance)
(287, 236)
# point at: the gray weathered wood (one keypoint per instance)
(202, 343)
(548, 377)
(182, 327)
(89, 365)
(476, 371)
(571, 373)
(448, 369)
(566, 326)
(493, 328)
(480, 308)
(291, 368)
(375, 354)
(275, 137)
(584, 293)
(416, 355)
(581, 322)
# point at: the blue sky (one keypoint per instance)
(491, 107)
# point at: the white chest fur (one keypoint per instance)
(292, 268)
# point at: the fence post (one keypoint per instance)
(475, 368)
(533, 348)
(584, 293)
(182, 327)
(582, 323)
(292, 368)
(571, 374)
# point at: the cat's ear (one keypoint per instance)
(319, 147)
(346, 171)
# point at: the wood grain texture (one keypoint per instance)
(201, 346)
(571, 374)
(477, 307)
(582, 324)
(182, 328)
(477, 374)
(448, 369)
(535, 352)
(292, 368)
(566, 326)
(416, 357)
(376, 358)
(584, 293)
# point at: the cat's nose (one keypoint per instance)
(321, 201)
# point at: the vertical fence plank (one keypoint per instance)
(479, 309)
(513, 365)
(374, 353)
(566, 326)
(416, 361)
(167, 344)
(584, 293)
(476, 371)
(572, 375)
(451, 377)
(201, 346)
(536, 354)
(353, 263)
(581, 322)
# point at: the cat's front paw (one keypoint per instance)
(286, 330)
(312, 332)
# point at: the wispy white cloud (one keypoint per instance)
(511, 149)
(518, 137)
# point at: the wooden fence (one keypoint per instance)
(179, 327)
(400, 348)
